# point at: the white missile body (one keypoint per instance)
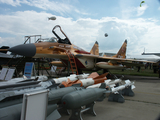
(128, 83)
(87, 82)
(111, 84)
(107, 82)
(72, 77)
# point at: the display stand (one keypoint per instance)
(116, 97)
(76, 113)
(29, 66)
(34, 105)
(128, 91)
(3, 73)
(10, 73)
(7, 73)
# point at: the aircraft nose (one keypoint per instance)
(28, 50)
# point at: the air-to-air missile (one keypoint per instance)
(93, 78)
(107, 82)
(72, 77)
(128, 83)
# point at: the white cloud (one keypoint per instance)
(1, 41)
(140, 33)
(9, 41)
(56, 6)
(51, 5)
(141, 10)
(128, 11)
(11, 2)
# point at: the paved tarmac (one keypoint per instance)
(145, 105)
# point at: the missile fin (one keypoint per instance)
(102, 76)
(127, 81)
(103, 85)
(54, 85)
(77, 85)
(133, 87)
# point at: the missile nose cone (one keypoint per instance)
(28, 50)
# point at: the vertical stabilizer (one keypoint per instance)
(122, 51)
(95, 49)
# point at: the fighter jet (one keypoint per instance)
(72, 56)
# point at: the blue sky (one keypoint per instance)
(84, 21)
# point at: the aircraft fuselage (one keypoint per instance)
(58, 50)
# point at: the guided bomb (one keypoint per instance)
(82, 97)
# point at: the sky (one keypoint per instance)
(84, 22)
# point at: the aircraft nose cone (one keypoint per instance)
(28, 50)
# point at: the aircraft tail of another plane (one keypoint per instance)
(95, 49)
(122, 51)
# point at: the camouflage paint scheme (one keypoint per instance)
(58, 48)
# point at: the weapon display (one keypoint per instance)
(72, 97)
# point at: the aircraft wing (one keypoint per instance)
(96, 56)
(119, 63)
(132, 64)
(129, 61)
(112, 59)
(87, 55)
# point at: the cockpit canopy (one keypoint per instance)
(57, 38)
(52, 39)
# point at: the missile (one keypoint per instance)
(107, 82)
(72, 77)
(21, 79)
(112, 84)
(128, 83)
(93, 78)
(82, 82)
(83, 97)
(55, 95)
(14, 112)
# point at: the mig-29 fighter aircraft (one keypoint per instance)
(72, 56)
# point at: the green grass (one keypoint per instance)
(142, 72)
